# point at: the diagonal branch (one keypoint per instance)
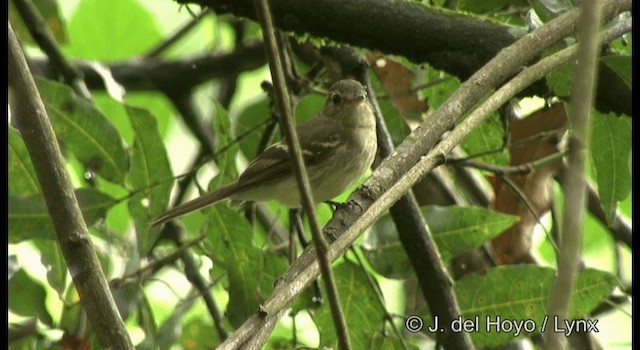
(71, 230)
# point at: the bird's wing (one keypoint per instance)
(316, 145)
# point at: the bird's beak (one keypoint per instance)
(358, 99)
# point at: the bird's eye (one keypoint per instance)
(336, 99)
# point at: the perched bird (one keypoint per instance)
(338, 145)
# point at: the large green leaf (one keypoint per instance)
(251, 272)
(458, 229)
(519, 295)
(455, 230)
(251, 125)
(621, 65)
(52, 259)
(227, 147)
(150, 176)
(488, 137)
(82, 129)
(22, 176)
(610, 152)
(361, 306)
(111, 30)
(29, 217)
(27, 297)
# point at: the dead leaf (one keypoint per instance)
(397, 81)
(532, 138)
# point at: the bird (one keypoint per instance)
(338, 145)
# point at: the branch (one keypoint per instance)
(424, 139)
(418, 243)
(42, 35)
(289, 132)
(71, 230)
(171, 76)
(418, 32)
(571, 231)
(458, 44)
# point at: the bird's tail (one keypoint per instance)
(195, 204)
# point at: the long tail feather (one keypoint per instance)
(195, 204)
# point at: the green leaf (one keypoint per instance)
(488, 137)
(82, 129)
(251, 271)
(22, 176)
(50, 12)
(489, 6)
(150, 175)
(254, 115)
(111, 30)
(520, 294)
(308, 107)
(29, 217)
(52, 259)
(395, 123)
(560, 79)
(27, 297)
(621, 65)
(550, 9)
(361, 307)
(610, 152)
(458, 229)
(198, 334)
(383, 250)
(227, 147)
(455, 230)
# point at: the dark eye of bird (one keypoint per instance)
(336, 99)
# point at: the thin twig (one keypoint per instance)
(181, 32)
(515, 170)
(288, 128)
(42, 35)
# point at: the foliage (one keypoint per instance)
(125, 156)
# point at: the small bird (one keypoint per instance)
(338, 145)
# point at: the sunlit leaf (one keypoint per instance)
(150, 176)
(29, 217)
(251, 272)
(85, 131)
(22, 176)
(610, 151)
(489, 138)
(27, 297)
(115, 35)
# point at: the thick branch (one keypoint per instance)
(172, 77)
(447, 41)
(458, 44)
(575, 183)
(71, 230)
